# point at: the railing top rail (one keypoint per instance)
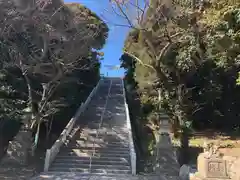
(131, 144)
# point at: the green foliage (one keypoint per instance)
(94, 23)
(192, 57)
(49, 62)
(238, 79)
(186, 60)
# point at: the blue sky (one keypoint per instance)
(117, 34)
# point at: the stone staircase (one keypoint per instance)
(99, 142)
(99, 146)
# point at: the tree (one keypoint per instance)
(188, 55)
(50, 44)
(156, 39)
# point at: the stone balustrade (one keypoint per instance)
(131, 144)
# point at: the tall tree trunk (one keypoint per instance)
(48, 131)
(26, 129)
(37, 120)
(184, 136)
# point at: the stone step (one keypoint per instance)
(96, 146)
(97, 152)
(88, 154)
(92, 166)
(97, 149)
(92, 171)
(81, 176)
(104, 135)
(70, 158)
(95, 125)
(161, 114)
(78, 144)
(100, 161)
(98, 141)
(90, 176)
(101, 140)
(118, 94)
(103, 131)
(104, 138)
(164, 118)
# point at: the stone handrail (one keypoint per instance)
(131, 144)
(53, 151)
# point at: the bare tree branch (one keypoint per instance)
(140, 61)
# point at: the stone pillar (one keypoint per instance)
(166, 160)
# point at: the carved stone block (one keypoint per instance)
(235, 170)
(212, 167)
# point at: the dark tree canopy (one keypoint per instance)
(50, 62)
